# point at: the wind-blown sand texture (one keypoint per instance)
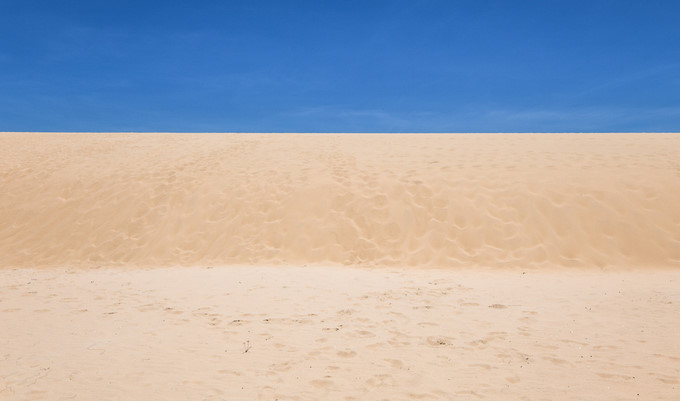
(211, 267)
(522, 200)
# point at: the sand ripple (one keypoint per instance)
(603, 200)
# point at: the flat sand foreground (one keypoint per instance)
(338, 333)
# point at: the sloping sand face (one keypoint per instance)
(522, 200)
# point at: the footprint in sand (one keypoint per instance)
(395, 363)
(437, 341)
(332, 328)
(346, 354)
(381, 380)
(321, 383)
(281, 367)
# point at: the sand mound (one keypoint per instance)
(422, 200)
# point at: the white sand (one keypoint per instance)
(338, 333)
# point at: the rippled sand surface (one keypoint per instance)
(520, 200)
(339, 267)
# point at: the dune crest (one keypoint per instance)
(494, 200)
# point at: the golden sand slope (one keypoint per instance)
(423, 200)
(324, 333)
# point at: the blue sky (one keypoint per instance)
(340, 66)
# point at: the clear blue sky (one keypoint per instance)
(340, 66)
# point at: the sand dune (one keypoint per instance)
(523, 200)
(207, 267)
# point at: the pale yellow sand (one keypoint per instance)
(500, 267)
(590, 200)
(338, 333)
